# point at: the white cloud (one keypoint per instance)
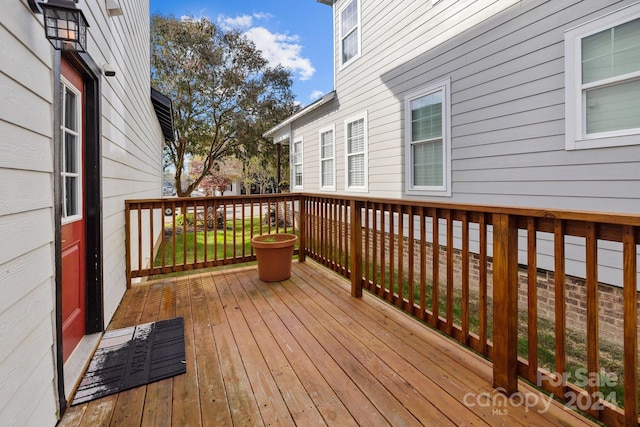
(316, 94)
(282, 49)
(241, 22)
(277, 48)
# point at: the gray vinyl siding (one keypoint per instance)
(131, 168)
(505, 60)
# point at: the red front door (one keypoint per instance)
(73, 221)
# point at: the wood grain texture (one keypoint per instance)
(505, 309)
(302, 352)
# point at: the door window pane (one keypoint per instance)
(70, 108)
(71, 199)
(70, 153)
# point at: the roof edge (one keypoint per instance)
(318, 102)
(163, 107)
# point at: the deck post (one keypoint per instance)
(356, 248)
(302, 228)
(505, 303)
(630, 308)
(127, 242)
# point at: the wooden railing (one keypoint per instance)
(474, 273)
(179, 234)
(485, 266)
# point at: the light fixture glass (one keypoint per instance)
(65, 25)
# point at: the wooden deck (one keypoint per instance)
(304, 352)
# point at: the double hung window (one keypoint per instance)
(350, 32)
(356, 150)
(327, 160)
(296, 160)
(602, 59)
(428, 142)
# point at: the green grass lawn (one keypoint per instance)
(223, 243)
(611, 355)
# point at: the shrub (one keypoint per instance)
(180, 219)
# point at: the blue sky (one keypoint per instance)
(294, 33)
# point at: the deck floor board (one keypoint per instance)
(304, 352)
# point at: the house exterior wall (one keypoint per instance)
(505, 62)
(131, 136)
(131, 167)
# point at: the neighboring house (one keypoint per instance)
(76, 142)
(512, 102)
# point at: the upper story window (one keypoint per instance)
(428, 146)
(327, 160)
(349, 32)
(355, 131)
(296, 160)
(602, 81)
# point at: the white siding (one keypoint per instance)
(131, 137)
(131, 168)
(26, 219)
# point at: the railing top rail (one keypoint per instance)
(613, 218)
(545, 213)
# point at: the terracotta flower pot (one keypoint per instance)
(274, 253)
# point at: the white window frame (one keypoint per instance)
(331, 157)
(66, 219)
(365, 151)
(294, 164)
(443, 86)
(576, 137)
(342, 36)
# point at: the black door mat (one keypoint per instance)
(131, 357)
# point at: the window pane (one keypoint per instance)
(356, 170)
(426, 117)
(612, 52)
(614, 108)
(355, 136)
(428, 167)
(71, 196)
(349, 46)
(70, 119)
(326, 145)
(298, 175)
(349, 18)
(327, 173)
(297, 152)
(626, 55)
(70, 153)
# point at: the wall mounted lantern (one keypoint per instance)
(65, 25)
